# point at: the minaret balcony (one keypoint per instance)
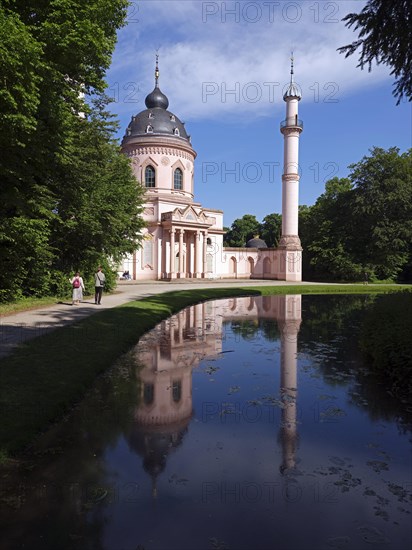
(292, 122)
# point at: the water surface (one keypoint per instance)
(237, 424)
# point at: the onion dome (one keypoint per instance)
(256, 243)
(157, 99)
(293, 90)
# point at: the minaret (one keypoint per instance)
(291, 128)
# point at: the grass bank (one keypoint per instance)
(42, 380)
(26, 304)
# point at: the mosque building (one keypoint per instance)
(183, 239)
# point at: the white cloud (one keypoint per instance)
(205, 53)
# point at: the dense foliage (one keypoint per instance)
(385, 36)
(68, 199)
(248, 227)
(361, 226)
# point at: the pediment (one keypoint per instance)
(188, 215)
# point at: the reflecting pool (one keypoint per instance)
(248, 423)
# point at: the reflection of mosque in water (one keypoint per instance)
(177, 345)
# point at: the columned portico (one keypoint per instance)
(185, 253)
(187, 231)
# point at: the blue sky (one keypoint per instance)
(223, 66)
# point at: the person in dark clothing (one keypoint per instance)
(99, 280)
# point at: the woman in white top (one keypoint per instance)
(78, 288)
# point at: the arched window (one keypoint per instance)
(178, 179)
(149, 129)
(148, 394)
(150, 176)
(176, 132)
(177, 390)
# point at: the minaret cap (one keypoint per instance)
(292, 91)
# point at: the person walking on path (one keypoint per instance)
(78, 288)
(99, 280)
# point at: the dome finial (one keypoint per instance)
(157, 70)
(291, 66)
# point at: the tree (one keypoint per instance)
(99, 200)
(271, 229)
(385, 36)
(381, 211)
(325, 234)
(67, 195)
(25, 204)
(242, 230)
(362, 223)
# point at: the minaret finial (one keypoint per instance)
(157, 70)
(291, 66)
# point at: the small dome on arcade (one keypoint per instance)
(256, 242)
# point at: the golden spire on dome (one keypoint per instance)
(157, 71)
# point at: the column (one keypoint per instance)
(172, 254)
(134, 268)
(204, 268)
(197, 273)
(163, 254)
(181, 256)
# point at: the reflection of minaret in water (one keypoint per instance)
(289, 323)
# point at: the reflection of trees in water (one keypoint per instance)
(65, 488)
(329, 334)
(250, 329)
(323, 314)
(335, 332)
(386, 341)
(372, 395)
